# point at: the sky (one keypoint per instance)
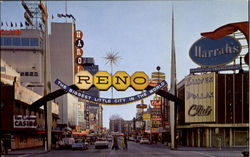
(140, 31)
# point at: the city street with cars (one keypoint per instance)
(136, 150)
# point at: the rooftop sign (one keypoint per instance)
(207, 52)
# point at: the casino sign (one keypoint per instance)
(210, 53)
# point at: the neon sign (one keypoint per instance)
(109, 101)
(208, 52)
(16, 32)
(103, 80)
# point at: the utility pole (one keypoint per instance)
(47, 87)
(173, 90)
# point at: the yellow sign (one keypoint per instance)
(121, 80)
(200, 95)
(83, 80)
(146, 116)
(139, 81)
(102, 80)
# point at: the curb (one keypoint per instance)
(26, 153)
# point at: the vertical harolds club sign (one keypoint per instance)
(200, 98)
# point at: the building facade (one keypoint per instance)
(61, 52)
(215, 112)
(94, 117)
(22, 126)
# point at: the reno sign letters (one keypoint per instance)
(207, 52)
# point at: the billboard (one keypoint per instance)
(207, 52)
(200, 98)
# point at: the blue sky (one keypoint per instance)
(141, 32)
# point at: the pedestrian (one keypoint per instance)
(5, 146)
(115, 143)
(125, 142)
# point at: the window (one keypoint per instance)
(7, 41)
(16, 41)
(31, 73)
(22, 73)
(25, 41)
(35, 73)
(33, 41)
(26, 73)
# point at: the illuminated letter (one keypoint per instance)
(83, 80)
(102, 80)
(139, 81)
(121, 80)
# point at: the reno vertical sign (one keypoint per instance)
(207, 52)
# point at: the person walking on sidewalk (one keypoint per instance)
(5, 145)
(125, 142)
(115, 143)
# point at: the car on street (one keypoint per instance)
(101, 143)
(144, 141)
(79, 145)
(66, 143)
(138, 139)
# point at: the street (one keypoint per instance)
(135, 150)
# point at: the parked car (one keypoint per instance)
(101, 143)
(79, 145)
(66, 143)
(109, 138)
(138, 139)
(144, 141)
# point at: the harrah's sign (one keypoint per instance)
(207, 52)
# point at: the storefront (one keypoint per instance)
(216, 110)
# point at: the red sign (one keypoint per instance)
(78, 68)
(78, 34)
(156, 118)
(78, 52)
(156, 102)
(16, 32)
(141, 106)
(155, 111)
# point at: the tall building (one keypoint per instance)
(62, 67)
(23, 51)
(21, 85)
(95, 110)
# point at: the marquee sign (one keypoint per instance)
(108, 101)
(207, 52)
(103, 80)
(21, 121)
(200, 98)
(16, 32)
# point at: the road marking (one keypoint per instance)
(24, 155)
(204, 154)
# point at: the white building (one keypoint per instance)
(24, 53)
(62, 67)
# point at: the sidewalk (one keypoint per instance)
(39, 150)
(187, 148)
